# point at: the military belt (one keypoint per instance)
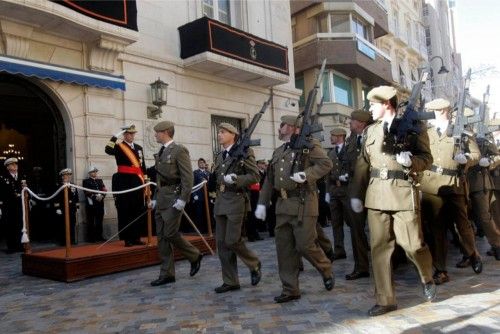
(288, 193)
(385, 174)
(224, 188)
(444, 171)
(172, 182)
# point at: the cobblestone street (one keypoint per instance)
(126, 303)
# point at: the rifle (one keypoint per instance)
(409, 122)
(302, 142)
(459, 136)
(240, 148)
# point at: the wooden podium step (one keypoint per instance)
(91, 260)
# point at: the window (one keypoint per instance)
(323, 23)
(299, 84)
(359, 28)
(337, 89)
(364, 95)
(395, 22)
(217, 9)
(340, 22)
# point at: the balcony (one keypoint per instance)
(212, 47)
(347, 53)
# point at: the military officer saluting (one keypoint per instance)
(131, 169)
(296, 209)
(175, 180)
(232, 179)
(444, 200)
(383, 181)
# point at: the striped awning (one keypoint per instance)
(60, 73)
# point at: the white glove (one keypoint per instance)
(344, 177)
(299, 177)
(460, 158)
(32, 202)
(230, 178)
(327, 197)
(404, 159)
(152, 204)
(357, 205)
(179, 204)
(118, 134)
(99, 197)
(195, 197)
(260, 212)
(59, 212)
(484, 162)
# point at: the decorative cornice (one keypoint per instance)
(104, 52)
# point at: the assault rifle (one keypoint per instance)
(240, 148)
(302, 142)
(459, 135)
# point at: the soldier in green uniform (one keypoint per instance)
(444, 199)
(296, 210)
(175, 180)
(481, 186)
(232, 179)
(495, 199)
(383, 181)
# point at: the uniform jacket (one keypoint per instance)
(283, 164)
(73, 201)
(443, 151)
(233, 198)
(378, 152)
(174, 176)
(94, 184)
(10, 189)
(200, 175)
(479, 178)
(343, 163)
(112, 148)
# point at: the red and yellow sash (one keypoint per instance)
(136, 165)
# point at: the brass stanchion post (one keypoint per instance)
(207, 210)
(27, 246)
(148, 200)
(66, 223)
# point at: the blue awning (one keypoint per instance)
(60, 73)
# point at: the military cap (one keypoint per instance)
(262, 161)
(129, 128)
(93, 169)
(338, 132)
(10, 161)
(163, 126)
(381, 94)
(437, 104)
(229, 127)
(291, 120)
(362, 116)
(66, 171)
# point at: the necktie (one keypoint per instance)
(439, 131)
(161, 151)
(358, 142)
(386, 128)
(224, 155)
(337, 149)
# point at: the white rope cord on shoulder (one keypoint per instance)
(25, 238)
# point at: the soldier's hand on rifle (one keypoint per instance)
(344, 177)
(404, 158)
(152, 204)
(327, 197)
(460, 158)
(179, 204)
(357, 205)
(230, 178)
(299, 177)
(118, 134)
(260, 212)
(484, 162)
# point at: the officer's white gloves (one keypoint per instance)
(152, 204)
(59, 212)
(460, 158)
(260, 212)
(344, 177)
(230, 178)
(299, 177)
(484, 162)
(118, 134)
(357, 205)
(179, 204)
(195, 197)
(404, 158)
(327, 197)
(99, 197)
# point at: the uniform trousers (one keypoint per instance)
(481, 209)
(339, 210)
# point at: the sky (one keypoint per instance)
(477, 29)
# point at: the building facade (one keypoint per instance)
(70, 77)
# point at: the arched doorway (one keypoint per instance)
(32, 125)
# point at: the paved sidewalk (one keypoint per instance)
(126, 303)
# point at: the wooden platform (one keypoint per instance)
(90, 260)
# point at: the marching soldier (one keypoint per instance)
(174, 176)
(357, 220)
(11, 185)
(383, 182)
(59, 209)
(131, 169)
(232, 179)
(480, 192)
(296, 210)
(444, 199)
(95, 205)
(495, 199)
